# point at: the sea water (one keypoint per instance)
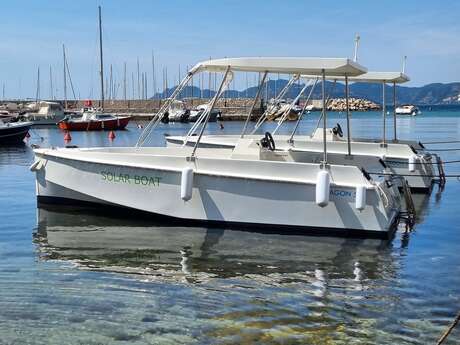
(71, 275)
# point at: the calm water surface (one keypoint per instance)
(77, 276)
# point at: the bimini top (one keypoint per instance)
(371, 77)
(286, 65)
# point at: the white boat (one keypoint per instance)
(277, 108)
(406, 158)
(407, 109)
(13, 133)
(251, 185)
(200, 109)
(49, 113)
(177, 112)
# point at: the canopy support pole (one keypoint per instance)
(259, 90)
(348, 115)
(384, 141)
(209, 110)
(158, 116)
(275, 101)
(394, 112)
(291, 138)
(328, 98)
(291, 105)
(323, 91)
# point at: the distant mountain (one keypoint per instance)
(436, 93)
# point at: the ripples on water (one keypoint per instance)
(81, 276)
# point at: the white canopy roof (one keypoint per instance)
(287, 65)
(372, 77)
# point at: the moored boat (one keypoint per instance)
(94, 121)
(14, 132)
(200, 109)
(405, 158)
(407, 109)
(48, 113)
(252, 184)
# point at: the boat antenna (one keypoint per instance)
(357, 38)
(101, 59)
(404, 64)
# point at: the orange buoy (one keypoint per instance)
(111, 135)
(67, 136)
(28, 135)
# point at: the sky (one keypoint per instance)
(182, 33)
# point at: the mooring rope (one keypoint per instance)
(449, 330)
(408, 175)
(422, 163)
(441, 142)
(458, 149)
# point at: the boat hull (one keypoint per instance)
(98, 125)
(224, 199)
(14, 133)
(420, 180)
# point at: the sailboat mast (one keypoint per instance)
(51, 84)
(101, 59)
(37, 96)
(124, 82)
(65, 77)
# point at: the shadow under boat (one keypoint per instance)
(138, 246)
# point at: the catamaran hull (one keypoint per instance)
(217, 200)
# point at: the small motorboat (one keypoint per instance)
(277, 108)
(94, 121)
(177, 112)
(196, 113)
(14, 132)
(407, 109)
(44, 113)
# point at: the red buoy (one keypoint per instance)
(111, 135)
(67, 136)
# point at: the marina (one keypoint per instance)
(205, 187)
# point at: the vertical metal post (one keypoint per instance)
(383, 114)
(210, 108)
(394, 112)
(254, 104)
(348, 116)
(101, 59)
(323, 91)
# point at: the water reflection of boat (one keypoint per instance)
(139, 246)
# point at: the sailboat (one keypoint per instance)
(93, 119)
